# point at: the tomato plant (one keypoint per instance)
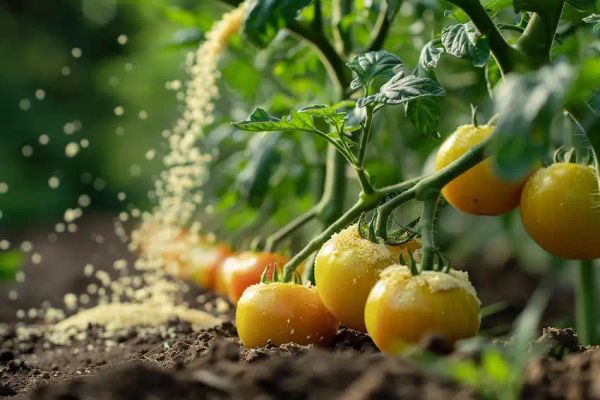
(347, 267)
(282, 313)
(480, 169)
(403, 309)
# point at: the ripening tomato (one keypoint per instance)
(347, 267)
(478, 191)
(402, 309)
(559, 209)
(203, 261)
(283, 313)
(245, 269)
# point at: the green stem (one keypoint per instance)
(538, 37)
(426, 225)
(382, 27)
(384, 212)
(364, 138)
(586, 304)
(331, 205)
(273, 240)
(342, 34)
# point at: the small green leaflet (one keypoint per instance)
(428, 60)
(464, 41)
(368, 66)
(424, 113)
(261, 121)
(527, 105)
(267, 17)
(401, 89)
(593, 19)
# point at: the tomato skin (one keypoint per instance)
(245, 269)
(283, 313)
(203, 262)
(478, 191)
(402, 309)
(559, 210)
(347, 267)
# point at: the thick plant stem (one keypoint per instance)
(273, 240)
(538, 37)
(342, 33)
(331, 205)
(586, 304)
(427, 232)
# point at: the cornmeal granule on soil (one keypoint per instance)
(152, 299)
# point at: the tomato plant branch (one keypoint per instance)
(586, 304)
(382, 27)
(342, 32)
(426, 225)
(273, 240)
(538, 37)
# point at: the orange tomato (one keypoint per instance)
(245, 269)
(283, 313)
(203, 262)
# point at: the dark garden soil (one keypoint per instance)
(178, 363)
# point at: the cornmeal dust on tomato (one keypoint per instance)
(283, 313)
(347, 267)
(402, 309)
(560, 210)
(478, 191)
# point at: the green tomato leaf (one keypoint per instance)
(266, 17)
(464, 41)
(401, 89)
(10, 262)
(424, 113)
(368, 66)
(253, 180)
(303, 120)
(527, 105)
(428, 60)
(593, 19)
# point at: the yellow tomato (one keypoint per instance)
(402, 309)
(560, 210)
(478, 191)
(347, 267)
(245, 269)
(283, 313)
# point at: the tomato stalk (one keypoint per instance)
(426, 225)
(586, 314)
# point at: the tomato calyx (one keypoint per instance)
(570, 155)
(441, 263)
(399, 236)
(278, 276)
